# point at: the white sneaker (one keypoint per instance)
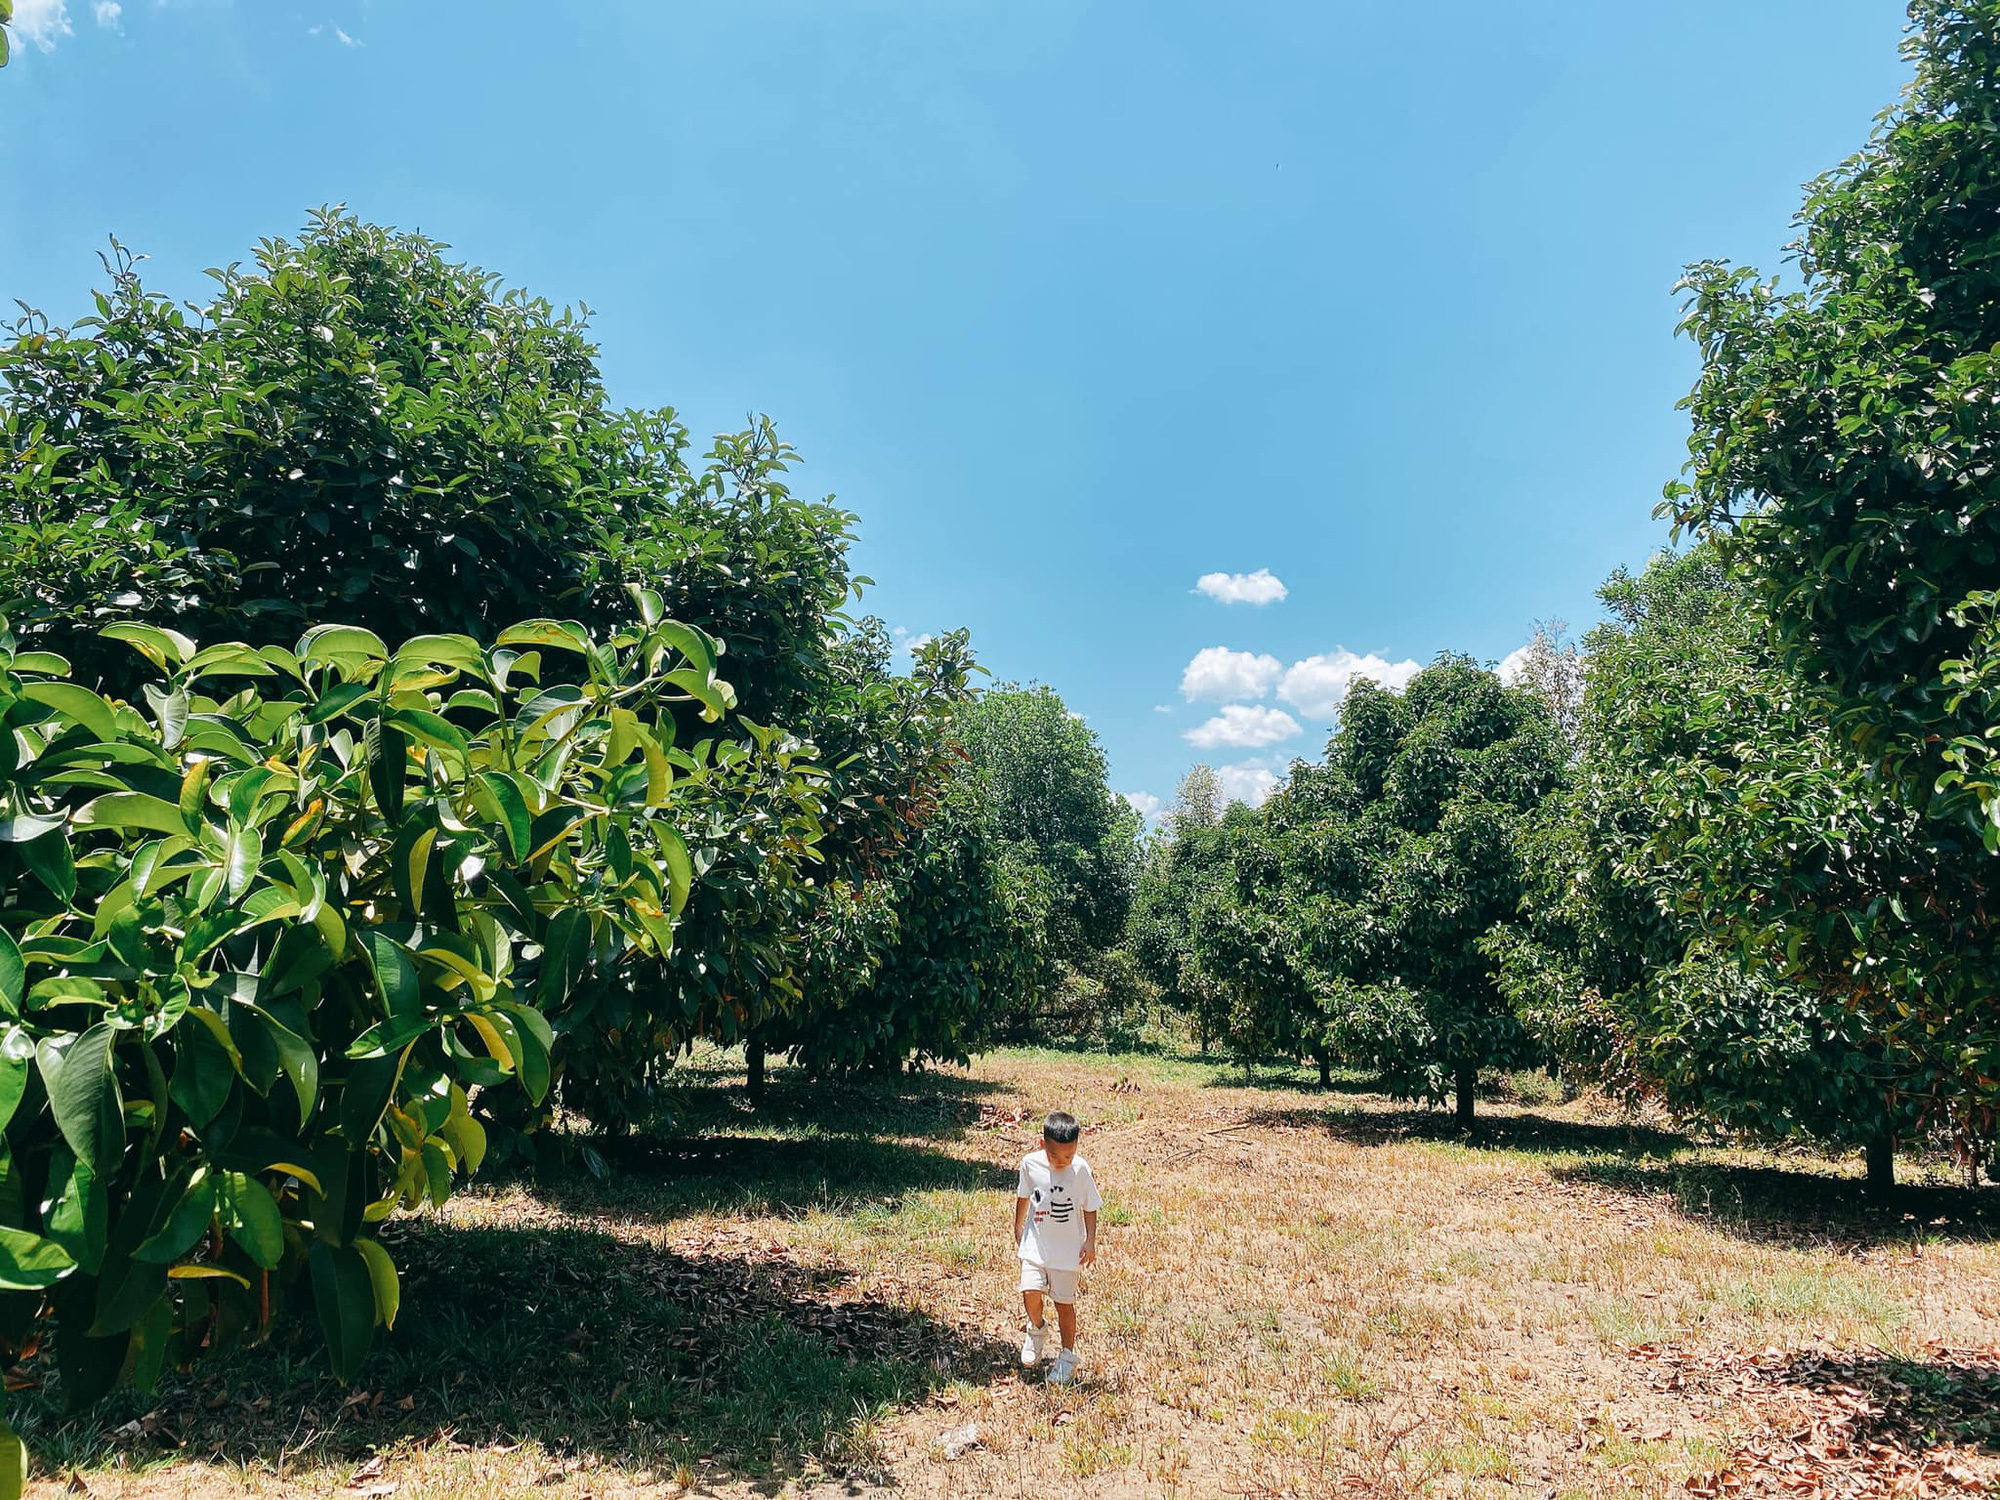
(1064, 1369)
(1032, 1344)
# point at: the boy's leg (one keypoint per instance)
(1066, 1324)
(1032, 1301)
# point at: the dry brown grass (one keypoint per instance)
(1299, 1294)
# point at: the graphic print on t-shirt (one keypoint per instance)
(1057, 1202)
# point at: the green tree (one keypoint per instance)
(1845, 431)
(1182, 867)
(265, 940)
(1671, 828)
(357, 427)
(1427, 794)
(1048, 791)
(1843, 451)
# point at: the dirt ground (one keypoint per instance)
(1299, 1293)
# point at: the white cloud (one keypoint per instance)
(1316, 685)
(1249, 725)
(345, 39)
(1251, 782)
(42, 22)
(1145, 804)
(1260, 587)
(1511, 666)
(107, 13)
(1221, 675)
(1163, 708)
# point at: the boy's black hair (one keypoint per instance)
(1060, 1128)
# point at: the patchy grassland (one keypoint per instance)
(1299, 1293)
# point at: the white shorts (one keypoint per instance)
(1060, 1285)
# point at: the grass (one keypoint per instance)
(1300, 1292)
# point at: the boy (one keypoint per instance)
(1055, 1234)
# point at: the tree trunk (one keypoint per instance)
(1468, 1080)
(1325, 1072)
(753, 1061)
(1881, 1163)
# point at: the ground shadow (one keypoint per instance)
(582, 1341)
(932, 1105)
(1276, 1078)
(1793, 1206)
(1499, 1132)
(672, 1177)
(1909, 1404)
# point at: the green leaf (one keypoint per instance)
(680, 868)
(498, 795)
(231, 659)
(251, 1217)
(326, 644)
(428, 728)
(22, 828)
(49, 858)
(16, 1048)
(165, 649)
(187, 1222)
(77, 704)
(85, 1100)
(564, 635)
(382, 1277)
(131, 810)
(13, 975)
(77, 1214)
(204, 1071)
(388, 763)
(242, 850)
(13, 1452)
(344, 1295)
(28, 1263)
(295, 1056)
(395, 973)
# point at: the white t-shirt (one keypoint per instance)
(1057, 1202)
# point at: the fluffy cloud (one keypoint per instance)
(1511, 666)
(1145, 804)
(1316, 685)
(1223, 676)
(1260, 587)
(42, 22)
(1248, 725)
(107, 13)
(1251, 782)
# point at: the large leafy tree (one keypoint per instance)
(1711, 799)
(269, 945)
(1047, 787)
(1846, 432)
(357, 427)
(1429, 791)
(1844, 452)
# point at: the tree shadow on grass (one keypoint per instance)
(1277, 1078)
(673, 1177)
(590, 1344)
(1910, 1404)
(1499, 1132)
(1791, 1206)
(931, 1105)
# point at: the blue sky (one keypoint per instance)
(1075, 303)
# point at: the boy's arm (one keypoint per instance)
(1020, 1219)
(1089, 1252)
